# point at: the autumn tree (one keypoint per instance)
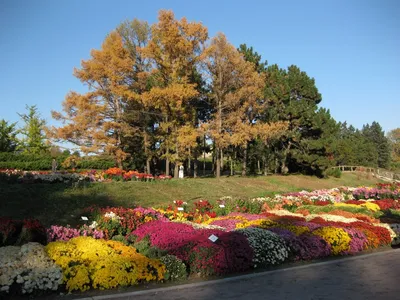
(8, 136)
(236, 90)
(140, 139)
(175, 50)
(33, 132)
(94, 120)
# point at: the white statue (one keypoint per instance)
(181, 172)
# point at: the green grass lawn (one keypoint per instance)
(60, 204)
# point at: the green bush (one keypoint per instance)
(176, 269)
(333, 172)
(29, 162)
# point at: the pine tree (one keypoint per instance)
(33, 141)
(8, 136)
(376, 135)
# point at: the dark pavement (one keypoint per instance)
(374, 276)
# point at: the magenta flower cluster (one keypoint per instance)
(230, 253)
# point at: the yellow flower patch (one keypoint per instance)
(87, 262)
(336, 237)
(260, 223)
(368, 205)
(297, 230)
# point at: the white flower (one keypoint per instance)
(93, 225)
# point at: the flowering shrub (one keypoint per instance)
(228, 222)
(176, 269)
(260, 223)
(269, 248)
(231, 252)
(338, 238)
(359, 240)
(87, 262)
(368, 205)
(121, 221)
(376, 193)
(61, 233)
(305, 246)
(26, 269)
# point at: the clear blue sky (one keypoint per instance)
(351, 48)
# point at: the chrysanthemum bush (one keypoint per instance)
(304, 246)
(268, 247)
(338, 238)
(120, 220)
(87, 262)
(230, 253)
(175, 268)
(62, 233)
(27, 269)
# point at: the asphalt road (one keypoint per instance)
(373, 276)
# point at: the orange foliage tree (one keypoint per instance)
(94, 120)
(175, 50)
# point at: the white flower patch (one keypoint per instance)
(268, 247)
(200, 226)
(30, 267)
(332, 218)
(283, 212)
(112, 216)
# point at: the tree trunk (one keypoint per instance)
(148, 171)
(244, 163)
(119, 163)
(265, 164)
(176, 171)
(167, 165)
(218, 164)
(195, 166)
(222, 160)
(258, 167)
(204, 157)
(231, 159)
(213, 159)
(189, 166)
(146, 151)
(284, 168)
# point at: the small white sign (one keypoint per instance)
(180, 208)
(213, 238)
(84, 218)
(222, 205)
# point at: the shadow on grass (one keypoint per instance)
(52, 204)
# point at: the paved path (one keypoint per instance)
(373, 276)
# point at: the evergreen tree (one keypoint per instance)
(33, 141)
(376, 135)
(8, 136)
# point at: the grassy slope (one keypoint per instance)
(57, 204)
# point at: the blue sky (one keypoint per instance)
(351, 48)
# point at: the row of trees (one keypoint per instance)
(167, 93)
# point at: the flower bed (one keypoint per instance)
(120, 246)
(87, 262)
(27, 269)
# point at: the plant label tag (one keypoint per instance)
(180, 208)
(84, 218)
(213, 238)
(222, 205)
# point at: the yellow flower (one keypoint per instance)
(87, 262)
(336, 237)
